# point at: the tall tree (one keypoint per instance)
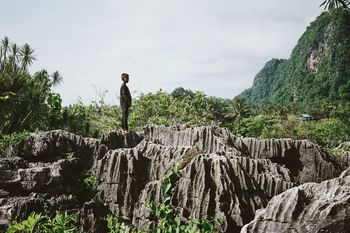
(23, 97)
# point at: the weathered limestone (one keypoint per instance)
(306, 160)
(222, 175)
(47, 176)
(311, 207)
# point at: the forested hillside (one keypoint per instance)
(318, 68)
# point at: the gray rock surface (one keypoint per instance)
(222, 175)
(47, 176)
(306, 160)
(311, 207)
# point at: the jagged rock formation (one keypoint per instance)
(311, 207)
(222, 175)
(306, 160)
(47, 175)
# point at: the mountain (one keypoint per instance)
(318, 68)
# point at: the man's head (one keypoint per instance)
(125, 77)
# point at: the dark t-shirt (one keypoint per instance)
(125, 93)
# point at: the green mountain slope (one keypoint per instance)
(318, 68)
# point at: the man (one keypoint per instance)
(125, 101)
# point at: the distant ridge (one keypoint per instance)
(318, 68)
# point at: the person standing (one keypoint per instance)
(125, 101)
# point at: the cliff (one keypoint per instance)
(317, 69)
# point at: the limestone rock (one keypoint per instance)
(92, 217)
(212, 185)
(311, 207)
(222, 175)
(306, 160)
(47, 176)
(206, 139)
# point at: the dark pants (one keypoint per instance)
(125, 114)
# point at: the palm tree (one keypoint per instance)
(26, 53)
(5, 44)
(332, 4)
(237, 109)
(280, 111)
(56, 78)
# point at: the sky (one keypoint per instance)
(216, 47)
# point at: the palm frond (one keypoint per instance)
(56, 78)
(27, 55)
(332, 4)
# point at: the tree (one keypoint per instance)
(180, 93)
(238, 109)
(23, 97)
(332, 4)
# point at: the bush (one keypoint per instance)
(10, 141)
(329, 132)
(253, 126)
(28, 225)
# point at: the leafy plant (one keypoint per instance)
(27, 226)
(61, 223)
(36, 222)
(116, 226)
(88, 180)
(85, 185)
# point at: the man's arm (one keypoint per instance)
(127, 100)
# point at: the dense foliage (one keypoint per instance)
(23, 97)
(318, 68)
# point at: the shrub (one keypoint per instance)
(28, 225)
(36, 222)
(10, 141)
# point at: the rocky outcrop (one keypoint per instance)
(216, 186)
(306, 160)
(47, 175)
(222, 175)
(228, 177)
(206, 139)
(311, 207)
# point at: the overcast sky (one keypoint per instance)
(204, 45)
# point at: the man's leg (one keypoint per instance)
(125, 112)
(126, 118)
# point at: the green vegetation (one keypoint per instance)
(28, 225)
(10, 141)
(85, 186)
(22, 96)
(317, 70)
(61, 223)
